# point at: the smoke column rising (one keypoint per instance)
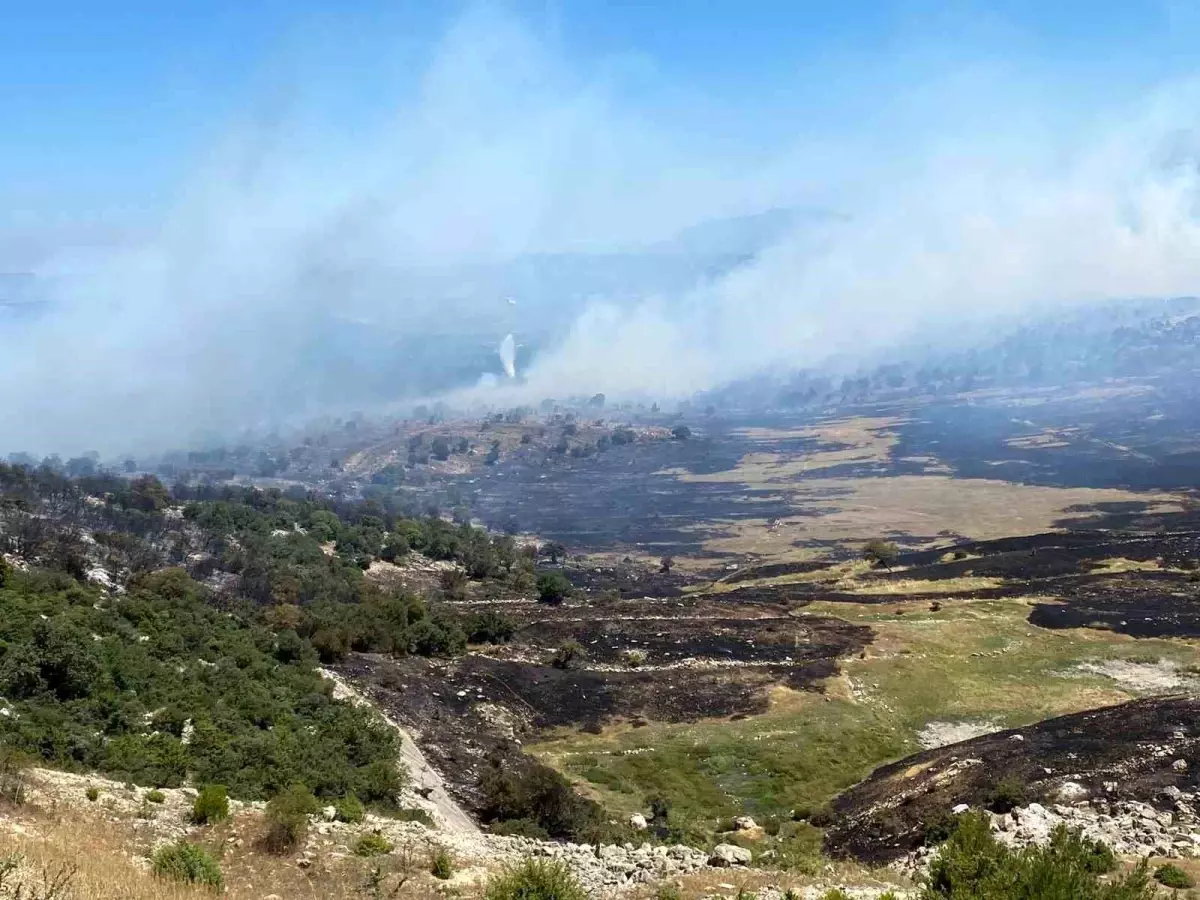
(502, 151)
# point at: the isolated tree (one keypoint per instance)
(148, 494)
(440, 448)
(553, 587)
(667, 563)
(681, 432)
(881, 553)
(555, 550)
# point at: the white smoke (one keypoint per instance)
(508, 355)
(933, 255)
(202, 321)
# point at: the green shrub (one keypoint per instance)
(1099, 857)
(570, 655)
(668, 891)
(973, 865)
(349, 809)
(1170, 875)
(93, 794)
(14, 782)
(1007, 795)
(553, 587)
(881, 554)
(529, 790)
(187, 862)
(372, 844)
(441, 863)
(155, 797)
(835, 894)
(490, 627)
(212, 805)
(938, 828)
(287, 818)
(535, 879)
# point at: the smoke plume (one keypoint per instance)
(303, 269)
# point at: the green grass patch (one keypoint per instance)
(807, 748)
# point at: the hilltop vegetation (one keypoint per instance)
(172, 635)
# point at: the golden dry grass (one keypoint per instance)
(106, 860)
(863, 439)
(917, 509)
(944, 586)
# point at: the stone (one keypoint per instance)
(1071, 791)
(638, 822)
(960, 808)
(730, 855)
(744, 823)
(1180, 765)
(328, 813)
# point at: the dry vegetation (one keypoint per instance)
(95, 858)
(916, 509)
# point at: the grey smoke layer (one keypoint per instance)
(292, 277)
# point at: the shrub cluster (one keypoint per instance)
(535, 879)
(189, 863)
(973, 865)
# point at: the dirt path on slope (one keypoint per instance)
(426, 780)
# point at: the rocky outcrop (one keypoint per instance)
(1109, 762)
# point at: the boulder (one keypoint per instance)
(1071, 791)
(638, 822)
(744, 823)
(730, 855)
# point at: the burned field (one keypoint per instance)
(1135, 751)
(636, 660)
(786, 489)
(771, 669)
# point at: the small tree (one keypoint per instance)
(881, 553)
(553, 587)
(681, 432)
(667, 563)
(441, 864)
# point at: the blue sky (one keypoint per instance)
(106, 105)
(203, 184)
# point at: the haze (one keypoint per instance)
(301, 214)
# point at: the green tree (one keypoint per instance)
(553, 587)
(881, 553)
